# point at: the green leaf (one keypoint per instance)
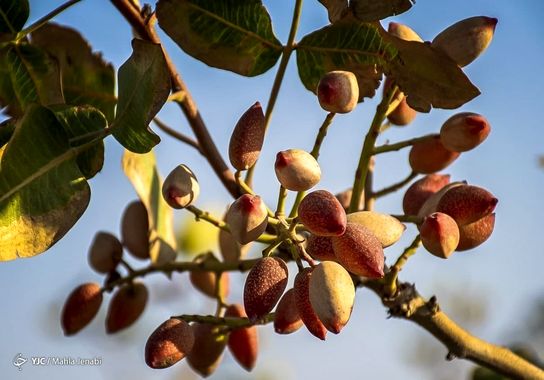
(233, 35)
(346, 45)
(42, 191)
(7, 95)
(141, 170)
(337, 9)
(79, 122)
(13, 15)
(428, 77)
(372, 10)
(86, 77)
(144, 85)
(29, 76)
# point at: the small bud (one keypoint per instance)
(126, 306)
(207, 350)
(359, 251)
(473, 234)
(230, 249)
(332, 294)
(180, 188)
(105, 253)
(287, 318)
(439, 234)
(429, 156)
(169, 343)
(247, 138)
(320, 248)
(80, 307)
(418, 192)
(322, 214)
(206, 281)
(464, 131)
(310, 319)
(264, 286)
(467, 204)
(465, 40)
(247, 218)
(338, 92)
(243, 342)
(135, 230)
(387, 229)
(297, 170)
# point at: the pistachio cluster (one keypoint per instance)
(331, 241)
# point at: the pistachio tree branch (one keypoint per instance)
(391, 278)
(230, 322)
(409, 305)
(205, 215)
(394, 187)
(287, 50)
(368, 148)
(144, 27)
(402, 144)
(179, 267)
(177, 135)
(406, 303)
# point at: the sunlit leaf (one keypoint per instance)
(142, 172)
(13, 15)
(428, 77)
(372, 10)
(28, 76)
(144, 85)
(234, 35)
(346, 45)
(86, 77)
(42, 190)
(79, 122)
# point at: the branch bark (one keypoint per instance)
(409, 305)
(146, 30)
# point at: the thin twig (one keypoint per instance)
(390, 279)
(287, 50)
(44, 20)
(230, 322)
(205, 215)
(416, 219)
(177, 135)
(189, 266)
(280, 208)
(394, 187)
(402, 144)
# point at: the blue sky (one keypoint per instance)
(504, 273)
